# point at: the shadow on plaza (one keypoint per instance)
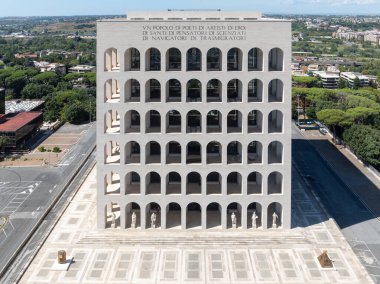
(334, 179)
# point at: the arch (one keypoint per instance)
(214, 153)
(153, 59)
(173, 91)
(234, 91)
(132, 59)
(214, 91)
(275, 183)
(132, 183)
(234, 183)
(173, 59)
(111, 60)
(149, 210)
(275, 152)
(173, 183)
(132, 121)
(234, 122)
(275, 121)
(272, 222)
(275, 91)
(255, 91)
(214, 121)
(194, 59)
(255, 121)
(112, 183)
(112, 122)
(193, 216)
(193, 153)
(255, 59)
(112, 153)
(255, 153)
(214, 183)
(214, 216)
(214, 59)
(131, 208)
(236, 209)
(132, 153)
(173, 153)
(153, 91)
(254, 183)
(153, 153)
(276, 59)
(132, 91)
(194, 91)
(194, 122)
(112, 91)
(173, 216)
(153, 122)
(153, 183)
(112, 212)
(234, 59)
(254, 215)
(173, 122)
(193, 183)
(234, 152)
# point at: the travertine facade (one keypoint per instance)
(194, 120)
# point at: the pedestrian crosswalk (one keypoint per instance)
(16, 193)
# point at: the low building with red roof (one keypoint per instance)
(20, 128)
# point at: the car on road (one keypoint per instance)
(323, 130)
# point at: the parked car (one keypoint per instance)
(323, 130)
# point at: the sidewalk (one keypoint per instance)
(359, 179)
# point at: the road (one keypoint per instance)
(358, 224)
(26, 194)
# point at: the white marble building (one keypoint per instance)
(194, 120)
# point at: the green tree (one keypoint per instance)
(76, 113)
(46, 78)
(360, 115)
(365, 142)
(4, 140)
(342, 84)
(356, 84)
(36, 91)
(333, 118)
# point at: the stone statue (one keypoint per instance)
(233, 219)
(153, 219)
(133, 223)
(254, 217)
(274, 220)
(113, 220)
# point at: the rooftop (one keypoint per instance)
(192, 15)
(20, 120)
(15, 106)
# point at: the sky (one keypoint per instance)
(119, 7)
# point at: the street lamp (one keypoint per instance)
(298, 110)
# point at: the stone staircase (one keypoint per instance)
(170, 238)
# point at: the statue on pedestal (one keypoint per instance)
(153, 219)
(113, 220)
(254, 218)
(233, 219)
(133, 223)
(274, 220)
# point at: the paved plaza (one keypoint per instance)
(195, 256)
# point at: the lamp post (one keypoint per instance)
(298, 110)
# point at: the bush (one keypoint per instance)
(57, 150)
(42, 149)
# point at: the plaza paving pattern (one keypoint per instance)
(175, 256)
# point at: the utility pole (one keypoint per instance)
(298, 110)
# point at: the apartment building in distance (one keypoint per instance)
(194, 121)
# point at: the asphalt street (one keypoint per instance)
(358, 224)
(26, 193)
